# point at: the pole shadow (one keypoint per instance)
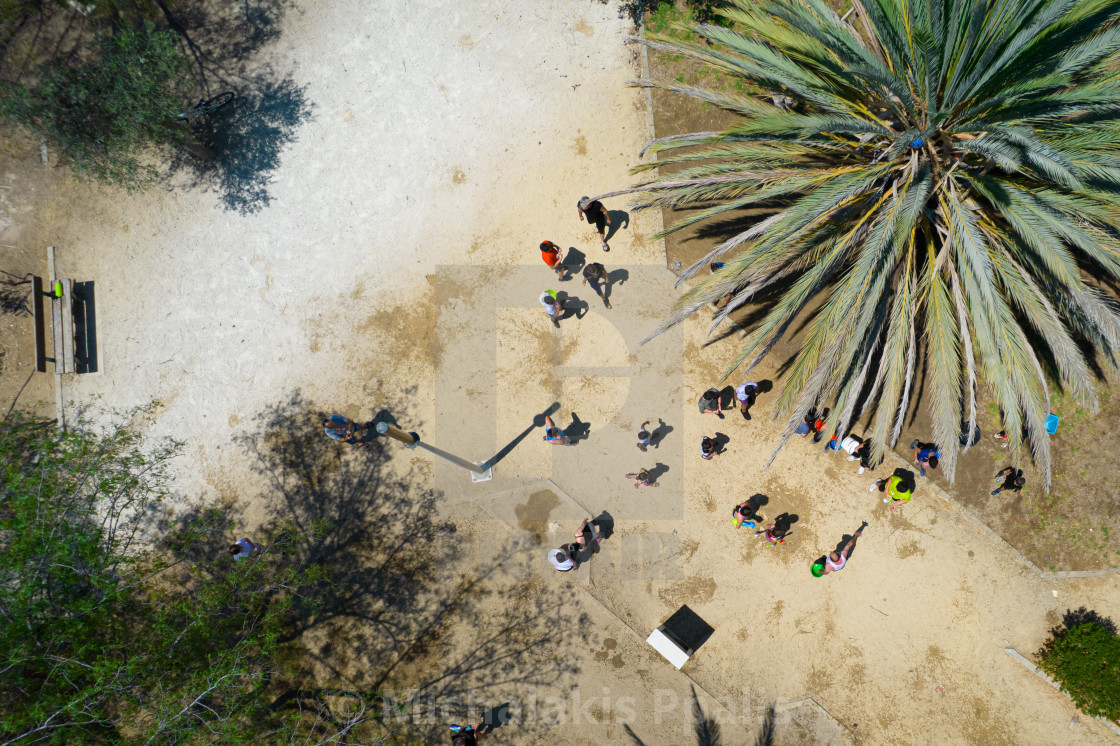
(538, 421)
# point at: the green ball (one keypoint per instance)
(817, 569)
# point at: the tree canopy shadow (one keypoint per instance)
(244, 140)
(405, 606)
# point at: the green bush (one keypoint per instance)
(104, 114)
(1083, 656)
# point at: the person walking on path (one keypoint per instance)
(553, 434)
(344, 430)
(243, 548)
(924, 456)
(745, 394)
(645, 479)
(709, 448)
(466, 735)
(596, 274)
(552, 306)
(551, 254)
(710, 401)
(836, 561)
(777, 531)
(597, 215)
(1012, 478)
(645, 437)
(899, 490)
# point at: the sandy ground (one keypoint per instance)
(397, 262)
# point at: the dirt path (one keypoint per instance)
(396, 262)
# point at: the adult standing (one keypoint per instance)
(344, 430)
(745, 394)
(552, 306)
(597, 215)
(710, 401)
(899, 490)
(596, 274)
(553, 257)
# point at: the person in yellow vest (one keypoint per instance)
(898, 490)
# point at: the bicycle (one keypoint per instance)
(207, 106)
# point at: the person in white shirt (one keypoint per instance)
(564, 558)
(745, 394)
(552, 307)
(243, 548)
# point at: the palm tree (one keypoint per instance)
(940, 176)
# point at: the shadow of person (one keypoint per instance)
(765, 386)
(498, 716)
(721, 442)
(605, 523)
(618, 276)
(658, 435)
(756, 502)
(848, 537)
(574, 260)
(572, 306)
(578, 430)
(657, 471)
(727, 397)
(907, 476)
(619, 219)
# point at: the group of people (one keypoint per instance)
(594, 273)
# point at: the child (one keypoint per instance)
(645, 479)
(553, 434)
(550, 253)
(645, 437)
(743, 514)
(924, 456)
(708, 448)
(777, 531)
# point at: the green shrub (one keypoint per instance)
(104, 114)
(1083, 656)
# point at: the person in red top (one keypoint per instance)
(550, 252)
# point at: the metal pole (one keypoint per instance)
(412, 440)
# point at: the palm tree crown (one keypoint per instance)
(941, 175)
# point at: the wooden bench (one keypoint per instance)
(62, 326)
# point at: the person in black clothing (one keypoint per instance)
(1012, 479)
(594, 212)
(596, 274)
